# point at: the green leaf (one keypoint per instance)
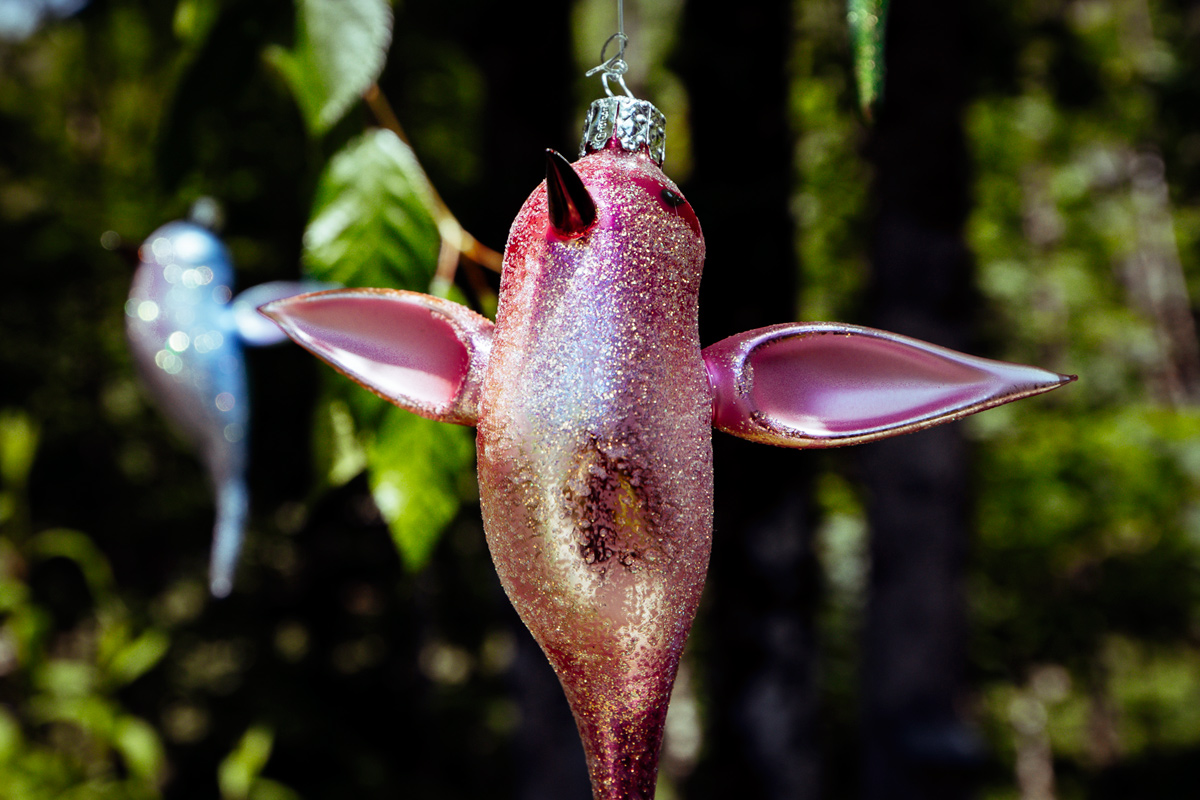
(272, 790)
(140, 747)
(78, 547)
(194, 19)
(415, 465)
(340, 49)
(338, 453)
(138, 657)
(62, 677)
(11, 739)
(18, 444)
(240, 769)
(867, 20)
(371, 224)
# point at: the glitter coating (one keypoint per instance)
(595, 454)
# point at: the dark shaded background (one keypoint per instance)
(1008, 609)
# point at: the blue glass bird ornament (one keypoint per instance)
(187, 331)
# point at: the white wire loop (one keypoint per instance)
(614, 68)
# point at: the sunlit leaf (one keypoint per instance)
(194, 19)
(62, 677)
(338, 452)
(18, 443)
(10, 736)
(265, 789)
(140, 747)
(371, 224)
(415, 464)
(90, 713)
(138, 657)
(240, 769)
(340, 49)
(868, 20)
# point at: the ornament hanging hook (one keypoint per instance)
(614, 68)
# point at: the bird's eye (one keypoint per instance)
(673, 199)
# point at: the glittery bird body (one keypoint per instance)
(594, 404)
(595, 454)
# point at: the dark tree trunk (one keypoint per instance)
(914, 649)
(756, 628)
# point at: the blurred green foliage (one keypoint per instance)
(372, 225)
(1086, 587)
(118, 680)
(87, 744)
(1085, 579)
(868, 21)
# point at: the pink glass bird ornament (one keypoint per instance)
(594, 405)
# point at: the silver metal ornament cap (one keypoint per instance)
(632, 122)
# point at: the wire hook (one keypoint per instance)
(614, 68)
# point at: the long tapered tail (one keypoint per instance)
(228, 531)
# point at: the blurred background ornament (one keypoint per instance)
(20, 19)
(187, 331)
